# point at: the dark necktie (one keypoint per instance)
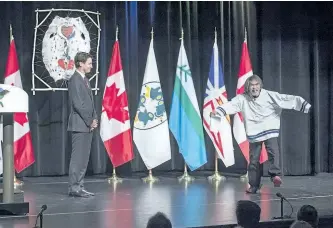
(87, 82)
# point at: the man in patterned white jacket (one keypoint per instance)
(261, 110)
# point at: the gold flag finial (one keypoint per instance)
(182, 34)
(152, 33)
(117, 30)
(10, 33)
(215, 35)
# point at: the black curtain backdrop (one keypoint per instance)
(290, 46)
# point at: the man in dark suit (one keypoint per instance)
(81, 123)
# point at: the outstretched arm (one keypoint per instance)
(229, 108)
(286, 101)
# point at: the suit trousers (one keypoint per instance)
(272, 148)
(81, 145)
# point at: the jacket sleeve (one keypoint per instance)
(230, 108)
(95, 114)
(286, 101)
(79, 106)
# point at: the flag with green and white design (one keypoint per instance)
(185, 120)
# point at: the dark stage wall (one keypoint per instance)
(290, 46)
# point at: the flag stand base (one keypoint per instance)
(245, 177)
(216, 177)
(185, 177)
(150, 178)
(114, 178)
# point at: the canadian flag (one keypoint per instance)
(245, 71)
(23, 149)
(115, 128)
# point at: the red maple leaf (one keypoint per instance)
(114, 105)
(21, 118)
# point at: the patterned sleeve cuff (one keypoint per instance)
(305, 107)
(221, 111)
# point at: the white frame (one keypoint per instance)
(34, 76)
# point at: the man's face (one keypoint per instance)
(254, 88)
(87, 66)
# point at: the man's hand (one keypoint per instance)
(213, 114)
(94, 125)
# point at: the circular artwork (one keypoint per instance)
(64, 37)
(151, 110)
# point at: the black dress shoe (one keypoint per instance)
(78, 194)
(88, 193)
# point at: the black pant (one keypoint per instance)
(272, 148)
(81, 144)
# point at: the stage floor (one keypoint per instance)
(131, 203)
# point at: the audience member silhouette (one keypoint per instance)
(159, 220)
(309, 214)
(300, 224)
(248, 214)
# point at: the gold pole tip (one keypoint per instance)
(182, 34)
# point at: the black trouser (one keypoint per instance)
(81, 144)
(272, 148)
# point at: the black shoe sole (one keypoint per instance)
(79, 196)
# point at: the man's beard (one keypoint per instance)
(255, 93)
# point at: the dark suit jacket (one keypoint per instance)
(82, 110)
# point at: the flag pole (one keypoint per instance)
(216, 176)
(150, 178)
(114, 178)
(185, 177)
(245, 177)
(17, 182)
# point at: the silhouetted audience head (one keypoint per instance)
(159, 220)
(309, 214)
(248, 214)
(300, 224)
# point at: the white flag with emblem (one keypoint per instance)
(151, 131)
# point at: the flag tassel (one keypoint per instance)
(150, 178)
(216, 177)
(114, 178)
